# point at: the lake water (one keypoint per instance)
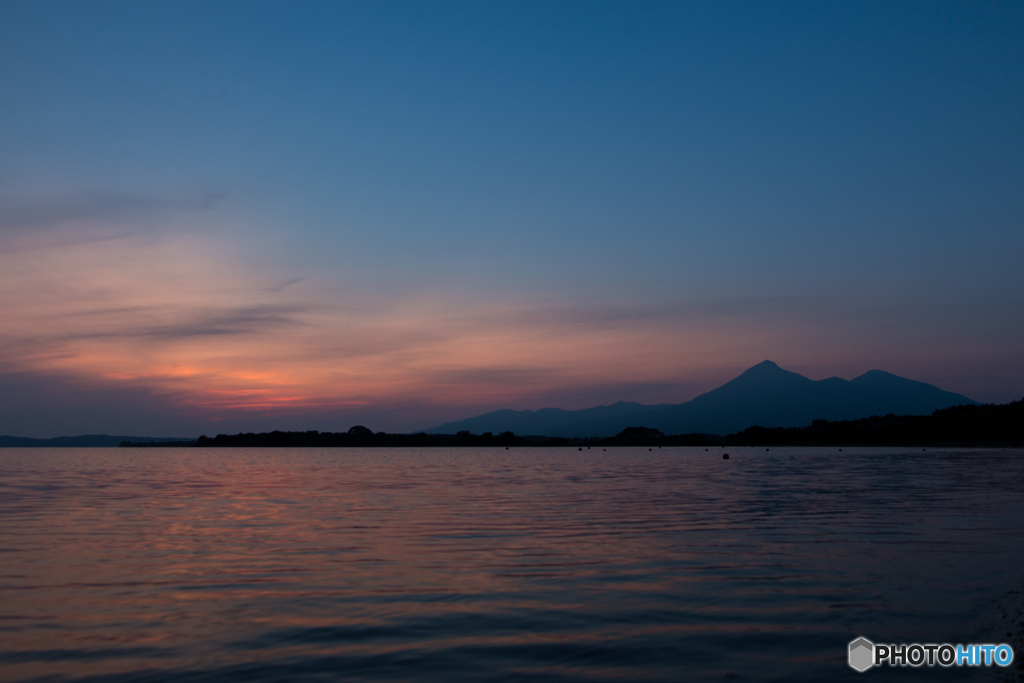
(544, 564)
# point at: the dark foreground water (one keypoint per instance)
(480, 564)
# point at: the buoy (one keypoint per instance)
(725, 456)
(581, 448)
(766, 450)
(506, 448)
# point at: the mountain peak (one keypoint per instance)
(764, 395)
(883, 378)
(764, 377)
(765, 368)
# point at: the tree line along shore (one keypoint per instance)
(971, 425)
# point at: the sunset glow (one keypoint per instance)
(405, 243)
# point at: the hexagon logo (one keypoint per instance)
(862, 654)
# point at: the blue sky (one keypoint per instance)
(442, 208)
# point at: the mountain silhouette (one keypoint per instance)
(765, 395)
(546, 421)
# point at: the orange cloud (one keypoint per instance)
(218, 332)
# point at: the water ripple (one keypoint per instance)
(473, 564)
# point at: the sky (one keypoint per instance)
(246, 216)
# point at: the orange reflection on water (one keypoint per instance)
(598, 564)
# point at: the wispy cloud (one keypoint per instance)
(218, 335)
(196, 323)
(181, 315)
(56, 212)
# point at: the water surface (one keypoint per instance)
(545, 564)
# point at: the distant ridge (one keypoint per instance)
(84, 441)
(764, 395)
(985, 426)
(544, 422)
